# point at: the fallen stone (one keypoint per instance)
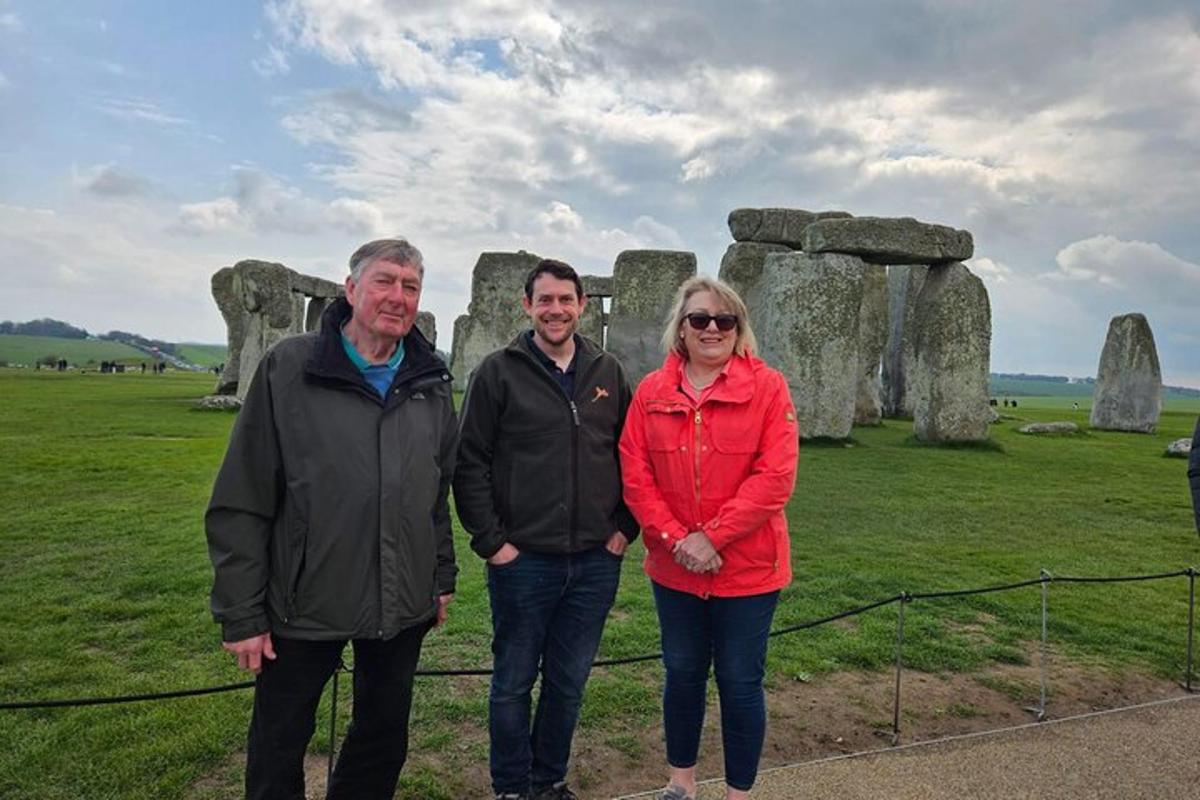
(872, 336)
(954, 333)
(219, 402)
(776, 225)
(809, 333)
(900, 354)
(1049, 427)
(1128, 395)
(644, 284)
(889, 240)
(1180, 448)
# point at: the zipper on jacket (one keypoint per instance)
(572, 534)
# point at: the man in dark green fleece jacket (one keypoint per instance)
(329, 522)
(538, 486)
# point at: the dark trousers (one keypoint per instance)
(548, 613)
(730, 634)
(285, 705)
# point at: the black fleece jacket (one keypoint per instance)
(536, 468)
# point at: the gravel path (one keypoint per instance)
(1150, 752)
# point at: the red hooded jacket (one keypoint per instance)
(726, 467)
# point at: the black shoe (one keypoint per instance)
(557, 791)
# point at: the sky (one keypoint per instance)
(144, 145)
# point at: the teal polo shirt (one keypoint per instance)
(380, 376)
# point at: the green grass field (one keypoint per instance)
(204, 355)
(104, 579)
(19, 349)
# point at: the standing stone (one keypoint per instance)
(954, 337)
(316, 307)
(889, 240)
(594, 318)
(872, 336)
(776, 225)
(427, 324)
(810, 328)
(644, 284)
(226, 292)
(274, 313)
(1128, 394)
(742, 268)
(495, 314)
(900, 355)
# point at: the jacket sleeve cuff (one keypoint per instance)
(237, 630)
(486, 546)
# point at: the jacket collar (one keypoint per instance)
(329, 359)
(586, 351)
(736, 387)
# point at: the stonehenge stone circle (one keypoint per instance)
(1128, 395)
(742, 268)
(644, 284)
(889, 240)
(900, 355)
(776, 225)
(872, 336)
(495, 314)
(810, 319)
(954, 334)
(594, 319)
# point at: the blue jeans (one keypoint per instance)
(548, 613)
(729, 633)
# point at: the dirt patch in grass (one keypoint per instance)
(832, 714)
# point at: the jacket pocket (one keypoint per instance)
(296, 559)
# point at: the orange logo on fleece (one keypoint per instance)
(601, 392)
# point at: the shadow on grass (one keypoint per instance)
(987, 446)
(829, 442)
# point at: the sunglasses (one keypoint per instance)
(699, 321)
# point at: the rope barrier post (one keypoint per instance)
(333, 724)
(904, 598)
(1040, 710)
(1187, 678)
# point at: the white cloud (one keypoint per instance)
(109, 180)
(139, 109)
(211, 216)
(9, 21)
(992, 272)
(273, 62)
(1139, 271)
(4, 82)
(561, 218)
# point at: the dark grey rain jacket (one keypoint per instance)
(329, 517)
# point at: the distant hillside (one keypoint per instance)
(43, 327)
(28, 350)
(1022, 385)
(204, 355)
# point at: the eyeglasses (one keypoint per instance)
(699, 321)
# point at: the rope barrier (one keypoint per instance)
(903, 598)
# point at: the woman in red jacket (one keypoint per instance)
(708, 460)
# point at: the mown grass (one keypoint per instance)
(104, 580)
(28, 350)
